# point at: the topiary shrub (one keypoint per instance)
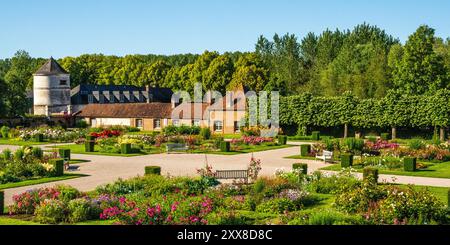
(302, 167)
(90, 138)
(152, 170)
(409, 164)
(385, 136)
(282, 139)
(346, 160)
(315, 135)
(89, 146)
(225, 146)
(305, 149)
(370, 174)
(2, 202)
(64, 154)
(58, 164)
(205, 133)
(39, 138)
(125, 148)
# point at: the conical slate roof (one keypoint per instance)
(51, 67)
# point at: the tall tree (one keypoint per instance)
(421, 69)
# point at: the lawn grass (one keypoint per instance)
(79, 149)
(20, 142)
(301, 157)
(39, 181)
(11, 220)
(434, 170)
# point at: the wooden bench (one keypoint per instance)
(176, 147)
(232, 174)
(326, 156)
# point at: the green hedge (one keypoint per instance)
(39, 138)
(282, 139)
(409, 164)
(370, 173)
(2, 201)
(125, 148)
(64, 153)
(225, 146)
(89, 146)
(315, 135)
(385, 136)
(90, 138)
(152, 170)
(58, 164)
(302, 166)
(346, 160)
(305, 150)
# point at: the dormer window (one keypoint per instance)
(62, 82)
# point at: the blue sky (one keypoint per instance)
(70, 28)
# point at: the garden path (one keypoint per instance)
(106, 169)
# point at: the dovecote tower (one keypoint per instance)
(51, 89)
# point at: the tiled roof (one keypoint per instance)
(51, 67)
(131, 110)
(197, 113)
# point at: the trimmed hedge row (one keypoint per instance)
(58, 163)
(152, 170)
(225, 146)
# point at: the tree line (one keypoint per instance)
(366, 61)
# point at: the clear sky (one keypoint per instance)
(117, 27)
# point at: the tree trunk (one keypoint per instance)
(394, 133)
(442, 134)
(345, 130)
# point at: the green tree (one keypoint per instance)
(219, 74)
(421, 69)
(250, 72)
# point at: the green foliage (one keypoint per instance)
(370, 175)
(67, 193)
(50, 211)
(331, 217)
(79, 210)
(2, 202)
(353, 145)
(346, 160)
(409, 164)
(39, 138)
(89, 146)
(276, 205)
(384, 136)
(152, 170)
(305, 149)
(225, 146)
(37, 152)
(125, 148)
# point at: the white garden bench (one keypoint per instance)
(326, 156)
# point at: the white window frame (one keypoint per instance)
(216, 127)
(155, 124)
(137, 124)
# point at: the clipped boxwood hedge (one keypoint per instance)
(58, 163)
(303, 167)
(2, 201)
(39, 138)
(89, 146)
(315, 135)
(305, 150)
(409, 164)
(225, 146)
(282, 139)
(385, 136)
(346, 160)
(64, 153)
(152, 170)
